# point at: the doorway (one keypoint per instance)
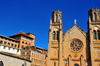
(76, 65)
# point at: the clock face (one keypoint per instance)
(95, 28)
(55, 29)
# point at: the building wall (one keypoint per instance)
(75, 46)
(9, 41)
(11, 61)
(69, 54)
(33, 36)
(4, 48)
(94, 25)
(28, 38)
(36, 58)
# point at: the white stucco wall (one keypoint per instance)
(11, 50)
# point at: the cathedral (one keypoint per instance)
(75, 47)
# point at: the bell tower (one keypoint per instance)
(94, 36)
(55, 39)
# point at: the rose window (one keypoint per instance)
(76, 45)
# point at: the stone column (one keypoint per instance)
(69, 61)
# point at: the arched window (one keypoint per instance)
(1, 63)
(12, 45)
(98, 17)
(91, 17)
(56, 18)
(23, 42)
(26, 43)
(54, 64)
(94, 16)
(98, 34)
(57, 35)
(59, 18)
(94, 34)
(53, 35)
(76, 65)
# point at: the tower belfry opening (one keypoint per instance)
(56, 16)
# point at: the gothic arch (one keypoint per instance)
(76, 64)
(1, 63)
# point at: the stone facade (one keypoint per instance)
(75, 47)
(9, 60)
(37, 58)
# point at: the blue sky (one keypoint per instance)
(34, 16)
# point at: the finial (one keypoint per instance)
(75, 21)
(92, 6)
(96, 7)
(57, 9)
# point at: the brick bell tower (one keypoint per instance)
(55, 39)
(94, 36)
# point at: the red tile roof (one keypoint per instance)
(21, 33)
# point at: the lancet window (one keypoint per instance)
(98, 17)
(96, 34)
(55, 35)
(94, 16)
(56, 18)
(91, 17)
(54, 64)
(59, 18)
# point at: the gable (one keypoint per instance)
(75, 30)
(74, 33)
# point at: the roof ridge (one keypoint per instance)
(77, 26)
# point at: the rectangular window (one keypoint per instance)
(8, 43)
(12, 45)
(5, 43)
(17, 50)
(22, 46)
(15, 45)
(1, 42)
(27, 53)
(23, 53)
(4, 47)
(9, 48)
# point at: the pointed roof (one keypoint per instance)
(80, 29)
